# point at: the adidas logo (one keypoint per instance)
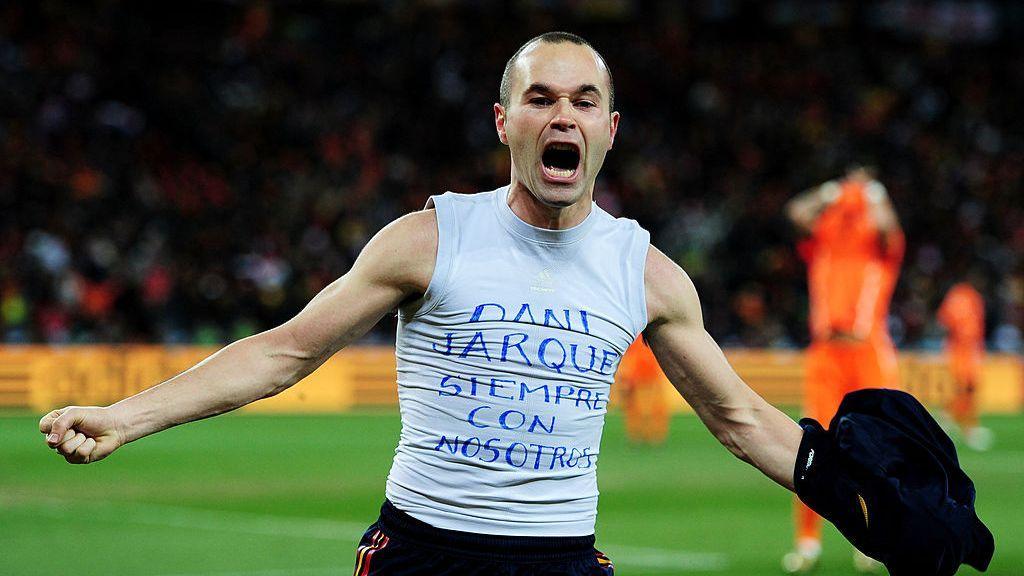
(543, 282)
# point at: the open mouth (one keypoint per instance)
(561, 160)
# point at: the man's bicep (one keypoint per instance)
(338, 315)
(393, 267)
(697, 368)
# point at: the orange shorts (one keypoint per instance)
(837, 368)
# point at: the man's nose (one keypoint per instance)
(563, 115)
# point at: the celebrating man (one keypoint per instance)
(515, 306)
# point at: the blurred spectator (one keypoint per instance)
(196, 172)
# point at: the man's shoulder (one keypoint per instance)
(404, 251)
(462, 198)
(415, 223)
(670, 293)
(661, 273)
(409, 237)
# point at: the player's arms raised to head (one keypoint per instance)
(395, 265)
(803, 209)
(745, 423)
(882, 211)
(890, 235)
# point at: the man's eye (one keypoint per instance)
(586, 104)
(539, 101)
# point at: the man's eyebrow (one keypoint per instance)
(545, 89)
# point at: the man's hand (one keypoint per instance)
(81, 435)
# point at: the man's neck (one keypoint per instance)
(535, 213)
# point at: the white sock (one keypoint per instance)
(809, 547)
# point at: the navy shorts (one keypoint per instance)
(399, 545)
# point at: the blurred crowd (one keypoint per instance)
(196, 172)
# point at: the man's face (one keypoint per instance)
(557, 124)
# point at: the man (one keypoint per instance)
(646, 411)
(853, 252)
(515, 307)
(962, 313)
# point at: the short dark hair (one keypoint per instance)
(504, 92)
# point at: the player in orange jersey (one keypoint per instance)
(853, 251)
(963, 314)
(643, 398)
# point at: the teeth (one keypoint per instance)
(561, 172)
(561, 146)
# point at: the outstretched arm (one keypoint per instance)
(394, 266)
(745, 423)
(906, 528)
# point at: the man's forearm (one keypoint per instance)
(773, 449)
(746, 424)
(240, 373)
(761, 435)
(804, 210)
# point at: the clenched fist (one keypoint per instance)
(81, 434)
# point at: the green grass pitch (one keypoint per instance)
(246, 495)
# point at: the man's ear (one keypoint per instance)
(499, 123)
(614, 130)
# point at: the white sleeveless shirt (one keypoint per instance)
(505, 364)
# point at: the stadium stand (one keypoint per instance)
(194, 173)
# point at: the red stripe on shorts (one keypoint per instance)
(379, 545)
